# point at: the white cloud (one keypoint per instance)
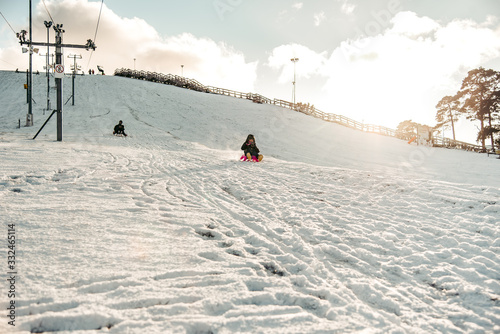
(403, 72)
(319, 18)
(410, 25)
(120, 40)
(309, 63)
(347, 8)
(297, 5)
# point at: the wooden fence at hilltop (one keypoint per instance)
(307, 109)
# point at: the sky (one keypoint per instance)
(378, 61)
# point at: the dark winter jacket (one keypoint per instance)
(250, 148)
(119, 129)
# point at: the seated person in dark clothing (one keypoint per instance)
(119, 129)
(250, 150)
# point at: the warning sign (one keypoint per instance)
(59, 71)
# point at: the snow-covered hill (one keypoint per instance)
(165, 231)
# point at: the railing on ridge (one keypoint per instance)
(192, 84)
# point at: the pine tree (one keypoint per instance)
(448, 112)
(481, 100)
(493, 127)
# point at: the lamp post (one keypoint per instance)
(48, 25)
(294, 60)
(182, 70)
(29, 116)
(134, 64)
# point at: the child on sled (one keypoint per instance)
(119, 129)
(250, 150)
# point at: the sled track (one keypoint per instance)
(280, 243)
(329, 224)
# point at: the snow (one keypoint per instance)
(166, 231)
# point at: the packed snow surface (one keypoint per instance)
(166, 231)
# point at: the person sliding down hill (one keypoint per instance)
(119, 129)
(250, 150)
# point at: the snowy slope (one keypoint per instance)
(165, 231)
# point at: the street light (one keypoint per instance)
(294, 60)
(48, 25)
(29, 117)
(182, 70)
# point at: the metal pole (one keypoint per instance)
(74, 63)
(48, 119)
(27, 84)
(59, 109)
(294, 60)
(73, 81)
(48, 25)
(29, 117)
(75, 69)
(47, 71)
(59, 74)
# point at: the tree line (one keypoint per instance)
(478, 99)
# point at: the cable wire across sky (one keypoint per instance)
(95, 35)
(48, 11)
(9, 23)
